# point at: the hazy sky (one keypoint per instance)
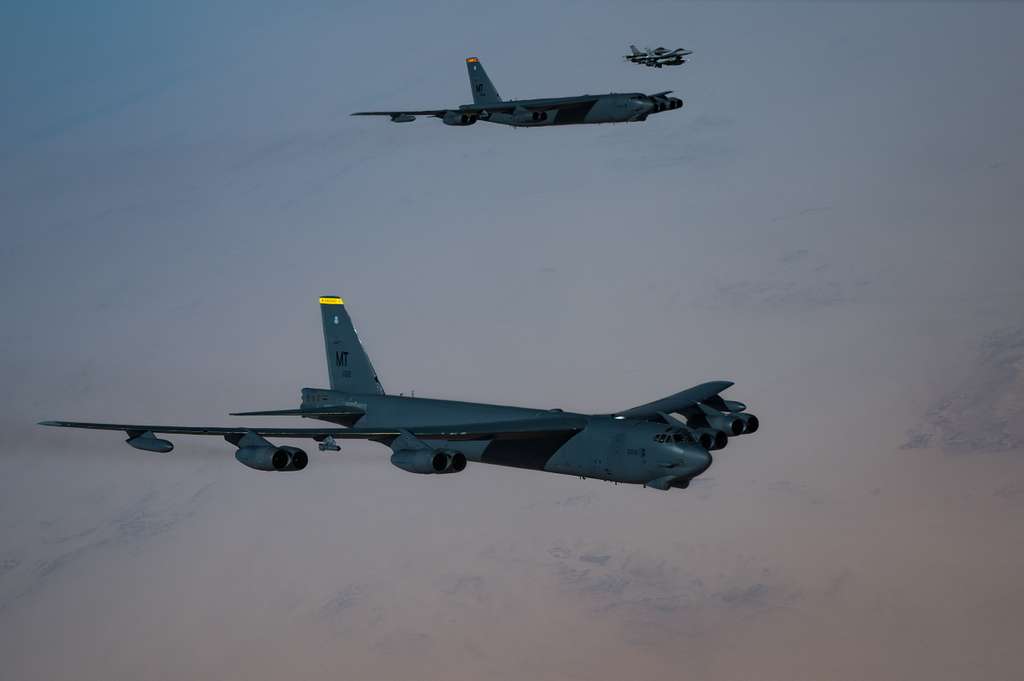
(833, 221)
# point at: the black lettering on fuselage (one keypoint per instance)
(341, 358)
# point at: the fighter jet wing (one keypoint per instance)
(519, 429)
(679, 402)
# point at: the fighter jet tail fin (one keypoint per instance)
(483, 89)
(348, 365)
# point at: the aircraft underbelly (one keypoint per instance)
(596, 452)
(607, 111)
(604, 109)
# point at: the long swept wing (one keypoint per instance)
(430, 112)
(679, 402)
(526, 428)
(403, 116)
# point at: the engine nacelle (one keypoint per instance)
(271, 458)
(732, 406)
(458, 118)
(710, 438)
(402, 118)
(527, 117)
(429, 461)
(750, 423)
(730, 424)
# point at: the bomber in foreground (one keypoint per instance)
(645, 445)
(529, 113)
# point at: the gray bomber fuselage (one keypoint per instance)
(613, 107)
(608, 448)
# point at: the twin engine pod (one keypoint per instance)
(750, 423)
(429, 461)
(525, 117)
(456, 118)
(272, 458)
(710, 438)
(730, 424)
(255, 452)
(713, 429)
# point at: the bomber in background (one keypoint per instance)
(488, 106)
(646, 445)
(657, 57)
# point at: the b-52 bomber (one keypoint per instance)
(488, 106)
(645, 445)
(658, 57)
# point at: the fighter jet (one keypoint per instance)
(644, 445)
(528, 113)
(658, 57)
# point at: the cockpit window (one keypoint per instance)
(677, 436)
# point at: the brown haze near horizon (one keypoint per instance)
(833, 222)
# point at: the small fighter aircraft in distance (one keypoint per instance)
(643, 445)
(658, 57)
(615, 107)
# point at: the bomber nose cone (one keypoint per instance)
(698, 460)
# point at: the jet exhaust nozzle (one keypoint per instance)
(272, 459)
(750, 423)
(429, 461)
(711, 439)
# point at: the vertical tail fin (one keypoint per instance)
(480, 84)
(636, 52)
(348, 365)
